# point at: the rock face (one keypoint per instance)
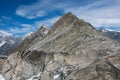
(71, 50)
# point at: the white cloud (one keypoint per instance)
(32, 11)
(29, 13)
(42, 8)
(101, 12)
(26, 28)
(106, 15)
(6, 17)
(17, 30)
(48, 22)
(26, 25)
(20, 12)
(98, 13)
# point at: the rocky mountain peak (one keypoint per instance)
(71, 48)
(66, 21)
(69, 15)
(43, 29)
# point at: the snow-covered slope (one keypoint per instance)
(2, 43)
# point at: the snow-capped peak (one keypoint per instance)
(4, 34)
(26, 35)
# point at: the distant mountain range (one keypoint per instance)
(115, 35)
(8, 43)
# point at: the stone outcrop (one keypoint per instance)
(71, 50)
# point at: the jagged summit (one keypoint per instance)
(69, 14)
(66, 21)
(43, 29)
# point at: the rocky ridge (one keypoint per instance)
(71, 50)
(34, 37)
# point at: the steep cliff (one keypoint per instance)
(71, 50)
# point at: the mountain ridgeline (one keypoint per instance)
(8, 43)
(34, 37)
(71, 50)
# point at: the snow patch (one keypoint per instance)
(50, 62)
(28, 34)
(64, 70)
(3, 42)
(1, 77)
(12, 41)
(35, 76)
(45, 32)
(56, 76)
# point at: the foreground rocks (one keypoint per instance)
(57, 66)
(71, 50)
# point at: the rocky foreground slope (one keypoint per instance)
(71, 50)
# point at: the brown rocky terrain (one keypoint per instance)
(71, 50)
(1, 64)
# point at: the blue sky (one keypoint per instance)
(23, 16)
